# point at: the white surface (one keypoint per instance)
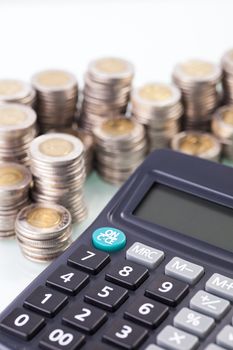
(154, 34)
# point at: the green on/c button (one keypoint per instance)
(109, 239)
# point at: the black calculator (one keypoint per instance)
(154, 271)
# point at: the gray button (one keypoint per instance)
(153, 347)
(193, 322)
(225, 337)
(220, 285)
(184, 270)
(213, 347)
(174, 339)
(209, 304)
(145, 255)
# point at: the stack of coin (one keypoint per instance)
(57, 93)
(227, 66)
(16, 91)
(15, 180)
(17, 130)
(43, 231)
(222, 127)
(120, 147)
(88, 143)
(106, 92)
(198, 81)
(158, 107)
(196, 143)
(58, 169)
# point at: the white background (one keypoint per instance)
(153, 34)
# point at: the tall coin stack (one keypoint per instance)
(106, 92)
(227, 66)
(15, 180)
(58, 169)
(222, 127)
(158, 107)
(57, 93)
(198, 81)
(196, 143)
(43, 231)
(120, 147)
(17, 130)
(16, 91)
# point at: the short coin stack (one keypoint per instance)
(227, 66)
(43, 231)
(198, 82)
(58, 170)
(200, 144)
(120, 147)
(17, 130)
(106, 92)
(222, 127)
(16, 91)
(15, 180)
(57, 93)
(158, 107)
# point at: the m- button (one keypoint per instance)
(221, 286)
(144, 255)
(184, 270)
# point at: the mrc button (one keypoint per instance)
(109, 239)
(144, 255)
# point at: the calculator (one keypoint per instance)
(154, 271)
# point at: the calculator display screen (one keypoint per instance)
(188, 214)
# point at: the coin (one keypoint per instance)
(16, 91)
(43, 231)
(57, 94)
(203, 145)
(227, 66)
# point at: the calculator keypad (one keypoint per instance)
(61, 337)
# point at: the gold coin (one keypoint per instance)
(155, 92)
(9, 87)
(196, 144)
(197, 69)
(111, 65)
(11, 116)
(56, 147)
(53, 78)
(117, 127)
(228, 116)
(43, 217)
(10, 176)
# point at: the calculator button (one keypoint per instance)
(22, 323)
(194, 322)
(175, 339)
(127, 274)
(106, 295)
(60, 337)
(167, 290)
(85, 317)
(184, 270)
(225, 337)
(213, 347)
(109, 239)
(68, 280)
(89, 259)
(125, 335)
(46, 301)
(146, 312)
(221, 286)
(145, 255)
(209, 304)
(153, 347)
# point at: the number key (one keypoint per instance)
(167, 290)
(127, 274)
(89, 259)
(68, 280)
(146, 312)
(125, 334)
(46, 301)
(107, 296)
(22, 323)
(85, 317)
